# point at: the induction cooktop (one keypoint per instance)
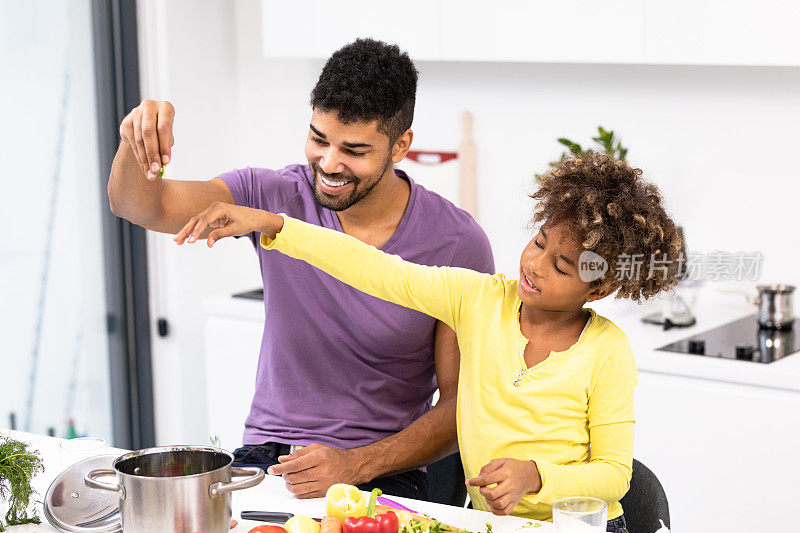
(742, 340)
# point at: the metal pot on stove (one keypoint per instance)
(775, 306)
(175, 488)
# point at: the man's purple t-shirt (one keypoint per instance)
(337, 366)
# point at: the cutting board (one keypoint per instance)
(436, 171)
(384, 508)
(450, 174)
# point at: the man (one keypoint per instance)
(345, 376)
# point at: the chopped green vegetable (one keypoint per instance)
(161, 172)
(437, 527)
(18, 466)
(431, 525)
(488, 527)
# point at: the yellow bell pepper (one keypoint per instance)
(404, 517)
(301, 524)
(343, 500)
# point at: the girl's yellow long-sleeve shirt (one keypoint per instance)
(572, 413)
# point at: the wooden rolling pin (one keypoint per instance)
(468, 173)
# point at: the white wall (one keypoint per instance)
(719, 141)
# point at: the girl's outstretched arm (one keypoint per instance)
(441, 292)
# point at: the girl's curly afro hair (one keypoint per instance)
(610, 210)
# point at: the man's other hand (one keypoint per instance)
(310, 471)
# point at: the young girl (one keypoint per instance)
(545, 394)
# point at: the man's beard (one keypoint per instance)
(340, 203)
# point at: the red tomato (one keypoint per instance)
(267, 529)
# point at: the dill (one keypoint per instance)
(18, 466)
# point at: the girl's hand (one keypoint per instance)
(504, 482)
(230, 220)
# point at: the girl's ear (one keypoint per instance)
(601, 291)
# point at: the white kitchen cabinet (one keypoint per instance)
(727, 455)
(679, 32)
(317, 28)
(232, 345)
(722, 32)
(467, 30)
(568, 31)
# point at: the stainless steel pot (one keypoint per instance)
(775, 306)
(179, 489)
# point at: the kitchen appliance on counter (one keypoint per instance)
(678, 308)
(745, 339)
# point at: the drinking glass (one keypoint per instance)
(580, 515)
(72, 451)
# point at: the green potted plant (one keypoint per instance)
(606, 140)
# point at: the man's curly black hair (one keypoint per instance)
(369, 80)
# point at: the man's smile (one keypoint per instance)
(334, 183)
(331, 186)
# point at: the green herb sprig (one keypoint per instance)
(18, 466)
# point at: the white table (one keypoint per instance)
(271, 495)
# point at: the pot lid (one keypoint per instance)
(69, 505)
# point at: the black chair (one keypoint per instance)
(646, 502)
(446, 481)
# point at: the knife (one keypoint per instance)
(391, 503)
(269, 516)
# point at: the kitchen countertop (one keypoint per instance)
(714, 308)
(271, 495)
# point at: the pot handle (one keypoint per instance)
(256, 475)
(750, 292)
(90, 481)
